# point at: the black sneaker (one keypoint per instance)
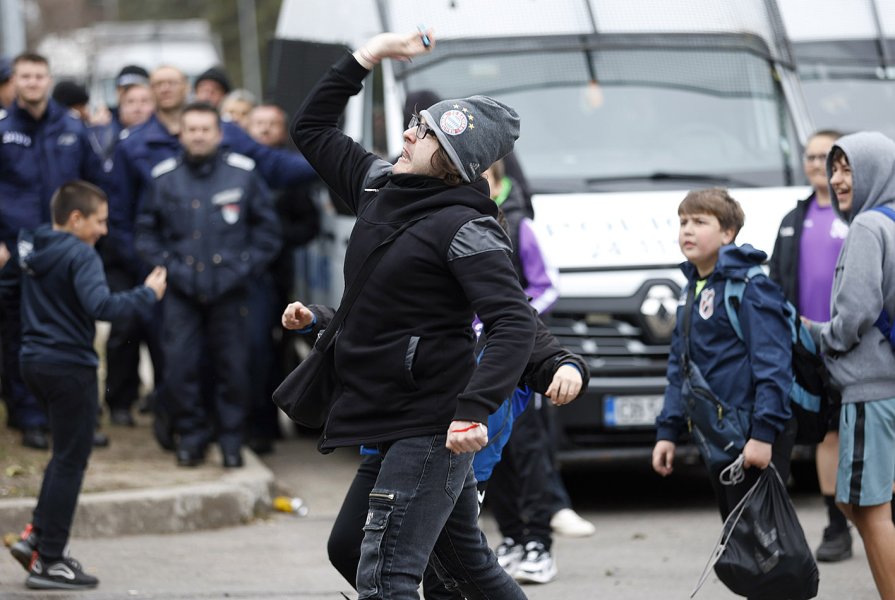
(25, 549)
(836, 545)
(63, 574)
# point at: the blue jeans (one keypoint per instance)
(424, 503)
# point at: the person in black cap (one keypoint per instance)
(404, 355)
(73, 96)
(211, 86)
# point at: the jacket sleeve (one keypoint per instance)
(858, 300)
(345, 166)
(123, 200)
(540, 276)
(672, 420)
(768, 340)
(265, 236)
(150, 242)
(280, 168)
(96, 298)
(546, 357)
(478, 257)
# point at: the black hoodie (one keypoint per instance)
(404, 355)
(64, 292)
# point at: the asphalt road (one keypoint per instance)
(653, 539)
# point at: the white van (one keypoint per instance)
(845, 55)
(625, 105)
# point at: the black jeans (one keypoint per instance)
(69, 393)
(384, 501)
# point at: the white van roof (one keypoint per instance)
(827, 20)
(351, 22)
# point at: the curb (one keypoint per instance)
(236, 498)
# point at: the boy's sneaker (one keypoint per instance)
(835, 546)
(63, 574)
(25, 549)
(569, 523)
(537, 566)
(509, 555)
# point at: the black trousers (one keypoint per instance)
(518, 489)
(123, 346)
(189, 327)
(69, 394)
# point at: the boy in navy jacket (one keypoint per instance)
(64, 291)
(748, 381)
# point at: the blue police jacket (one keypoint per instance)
(212, 224)
(753, 375)
(148, 144)
(36, 157)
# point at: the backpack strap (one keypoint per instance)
(733, 291)
(884, 322)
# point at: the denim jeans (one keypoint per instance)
(425, 503)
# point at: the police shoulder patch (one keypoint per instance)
(240, 161)
(3, 113)
(166, 166)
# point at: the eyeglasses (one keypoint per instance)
(810, 158)
(422, 129)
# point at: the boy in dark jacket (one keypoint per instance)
(749, 380)
(64, 291)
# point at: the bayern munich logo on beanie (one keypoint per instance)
(453, 122)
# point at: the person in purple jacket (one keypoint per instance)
(804, 260)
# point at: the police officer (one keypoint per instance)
(143, 147)
(43, 146)
(210, 221)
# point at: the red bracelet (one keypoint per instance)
(470, 428)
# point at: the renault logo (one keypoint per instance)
(658, 310)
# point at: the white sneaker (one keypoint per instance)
(538, 565)
(509, 555)
(567, 522)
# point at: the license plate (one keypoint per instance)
(631, 411)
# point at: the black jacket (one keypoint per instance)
(404, 355)
(64, 292)
(784, 263)
(212, 225)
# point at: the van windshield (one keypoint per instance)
(856, 100)
(633, 117)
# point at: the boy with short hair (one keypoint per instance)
(859, 357)
(64, 291)
(745, 383)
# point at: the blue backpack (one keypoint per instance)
(884, 323)
(811, 395)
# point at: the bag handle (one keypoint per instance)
(733, 518)
(354, 289)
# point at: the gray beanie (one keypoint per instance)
(475, 132)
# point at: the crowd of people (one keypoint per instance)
(195, 197)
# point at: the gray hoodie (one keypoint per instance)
(861, 361)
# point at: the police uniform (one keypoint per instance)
(213, 226)
(36, 157)
(136, 154)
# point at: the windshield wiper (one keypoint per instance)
(670, 176)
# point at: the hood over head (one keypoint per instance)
(871, 156)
